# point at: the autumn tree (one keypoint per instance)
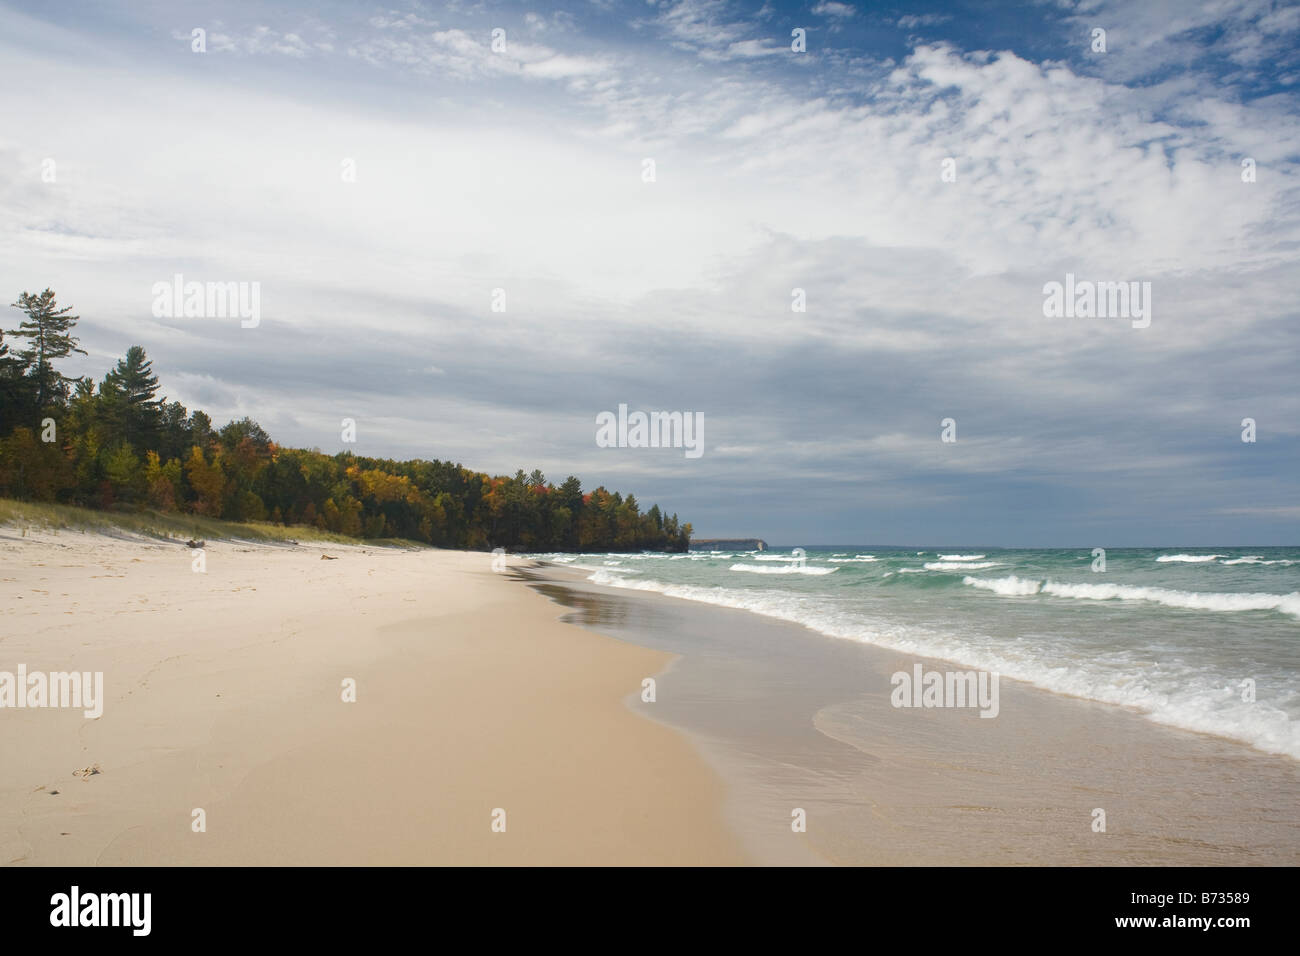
(208, 481)
(31, 468)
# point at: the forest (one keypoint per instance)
(117, 444)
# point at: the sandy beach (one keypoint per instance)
(223, 692)
(229, 691)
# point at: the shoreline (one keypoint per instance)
(474, 693)
(791, 717)
(223, 694)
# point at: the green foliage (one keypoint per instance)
(31, 468)
(122, 446)
(48, 330)
(127, 396)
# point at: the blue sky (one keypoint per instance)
(521, 169)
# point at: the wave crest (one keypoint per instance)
(787, 569)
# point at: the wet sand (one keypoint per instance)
(794, 719)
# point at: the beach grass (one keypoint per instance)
(171, 527)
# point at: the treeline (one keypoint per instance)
(116, 444)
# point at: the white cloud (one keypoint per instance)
(830, 8)
(522, 170)
(913, 20)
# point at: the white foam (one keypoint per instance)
(1188, 600)
(1009, 586)
(1185, 698)
(787, 569)
(960, 557)
(606, 567)
(1188, 558)
(1258, 559)
(863, 558)
(961, 565)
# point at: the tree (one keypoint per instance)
(175, 433)
(118, 444)
(121, 468)
(30, 468)
(236, 431)
(163, 482)
(16, 396)
(208, 481)
(130, 389)
(50, 330)
(201, 429)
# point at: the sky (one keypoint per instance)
(920, 172)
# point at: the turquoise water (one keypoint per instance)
(1178, 634)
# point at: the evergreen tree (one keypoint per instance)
(176, 434)
(16, 397)
(200, 427)
(130, 389)
(119, 444)
(50, 330)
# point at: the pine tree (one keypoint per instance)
(50, 331)
(131, 387)
(15, 391)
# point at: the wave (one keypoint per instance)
(1187, 600)
(961, 557)
(606, 567)
(1189, 558)
(859, 558)
(961, 565)
(1259, 559)
(786, 569)
(1195, 701)
(1010, 585)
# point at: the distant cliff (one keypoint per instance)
(728, 544)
